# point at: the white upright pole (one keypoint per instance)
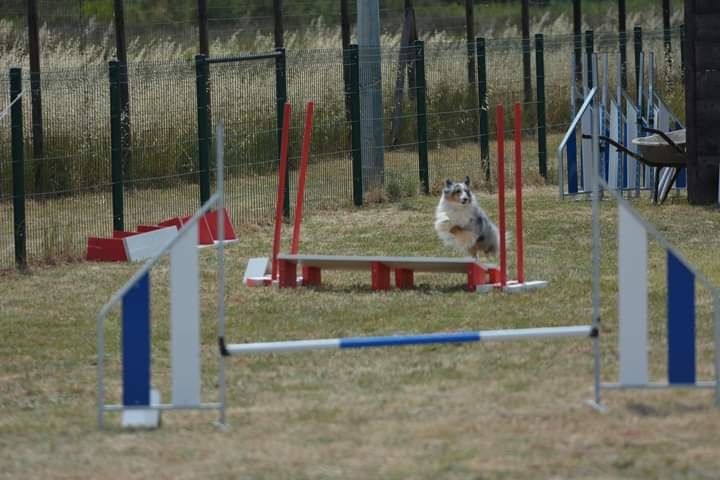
(595, 128)
(220, 164)
(371, 112)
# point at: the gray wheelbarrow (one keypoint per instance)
(659, 150)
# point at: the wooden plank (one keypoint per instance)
(349, 262)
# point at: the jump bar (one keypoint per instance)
(408, 340)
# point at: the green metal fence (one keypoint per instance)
(436, 124)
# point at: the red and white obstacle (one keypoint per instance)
(148, 240)
(282, 269)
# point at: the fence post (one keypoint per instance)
(667, 33)
(18, 169)
(525, 27)
(346, 83)
(421, 116)
(541, 122)
(470, 34)
(577, 37)
(280, 99)
(116, 172)
(622, 34)
(483, 108)
(202, 17)
(637, 43)
(35, 87)
(589, 49)
(202, 71)
(353, 61)
(682, 50)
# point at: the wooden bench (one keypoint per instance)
(380, 267)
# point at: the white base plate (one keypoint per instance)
(143, 418)
(512, 286)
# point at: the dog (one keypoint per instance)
(462, 224)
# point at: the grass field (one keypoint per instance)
(512, 410)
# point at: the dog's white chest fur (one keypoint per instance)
(465, 226)
(452, 214)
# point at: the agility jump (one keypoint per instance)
(282, 269)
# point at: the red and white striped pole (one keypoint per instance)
(307, 135)
(287, 110)
(500, 125)
(518, 194)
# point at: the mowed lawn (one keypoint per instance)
(477, 411)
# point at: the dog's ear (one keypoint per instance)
(467, 181)
(448, 183)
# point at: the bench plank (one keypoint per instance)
(350, 262)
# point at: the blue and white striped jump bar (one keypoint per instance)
(408, 340)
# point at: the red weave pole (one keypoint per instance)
(500, 125)
(287, 110)
(518, 194)
(307, 135)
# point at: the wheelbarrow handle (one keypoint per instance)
(620, 147)
(666, 138)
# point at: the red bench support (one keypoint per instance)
(380, 276)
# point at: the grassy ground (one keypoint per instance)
(474, 411)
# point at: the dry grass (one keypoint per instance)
(476, 411)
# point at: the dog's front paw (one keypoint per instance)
(455, 229)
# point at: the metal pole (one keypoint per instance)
(278, 22)
(203, 112)
(470, 36)
(345, 34)
(203, 27)
(421, 116)
(682, 50)
(577, 35)
(116, 172)
(220, 188)
(100, 361)
(280, 100)
(345, 23)
(525, 27)
(589, 50)
(121, 49)
(637, 44)
(651, 89)
(371, 121)
(18, 169)
(622, 34)
(483, 108)
(595, 125)
(541, 119)
(667, 33)
(36, 92)
(354, 66)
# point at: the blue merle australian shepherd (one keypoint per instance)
(462, 224)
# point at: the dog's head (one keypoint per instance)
(458, 192)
